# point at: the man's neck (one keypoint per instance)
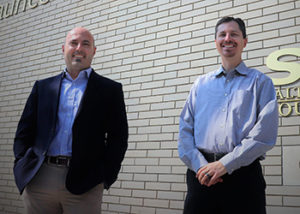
(230, 64)
(74, 74)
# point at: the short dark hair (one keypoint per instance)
(226, 19)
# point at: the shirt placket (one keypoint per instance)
(69, 119)
(224, 113)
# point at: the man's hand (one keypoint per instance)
(211, 173)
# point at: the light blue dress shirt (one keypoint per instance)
(234, 113)
(70, 97)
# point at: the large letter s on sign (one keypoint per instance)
(292, 67)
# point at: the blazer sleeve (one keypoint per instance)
(117, 136)
(26, 130)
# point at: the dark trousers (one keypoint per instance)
(242, 192)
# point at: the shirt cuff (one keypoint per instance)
(229, 163)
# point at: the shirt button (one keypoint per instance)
(225, 94)
(223, 109)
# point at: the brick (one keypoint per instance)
(278, 8)
(232, 10)
(148, 11)
(289, 14)
(155, 42)
(119, 208)
(291, 140)
(152, 84)
(167, 33)
(158, 169)
(144, 194)
(286, 121)
(161, 136)
(150, 114)
(205, 3)
(156, 203)
(273, 180)
(158, 15)
(156, 55)
(291, 130)
(291, 201)
(262, 20)
(178, 51)
(145, 177)
(132, 185)
(289, 31)
(158, 186)
(193, 13)
(168, 19)
(165, 105)
(146, 24)
(176, 204)
(135, 46)
(167, 90)
(170, 195)
(171, 178)
(261, 53)
(108, 198)
(261, 4)
(163, 76)
(169, 6)
(264, 35)
(168, 46)
(274, 200)
(146, 161)
(222, 6)
(143, 209)
(145, 38)
(279, 24)
(136, 33)
(139, 108)
(151, 99)
(271, 161)
(134, 169)
(158, 28)
(165, 61)
(180, 37)
(285, 210)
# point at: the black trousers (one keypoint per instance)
(242, 192)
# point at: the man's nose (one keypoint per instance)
(78, 47)
(227, 37)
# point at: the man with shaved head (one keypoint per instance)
(72, 135)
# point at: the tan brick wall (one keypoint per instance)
(156, 49)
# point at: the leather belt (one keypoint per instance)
(212, 157)
(58, 160)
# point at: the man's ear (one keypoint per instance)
(245, 42)
(63, 48)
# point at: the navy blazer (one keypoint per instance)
(100, 133)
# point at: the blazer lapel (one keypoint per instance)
(89, 89)
(54, 95)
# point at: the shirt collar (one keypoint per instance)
(241, 69)
(83, 73)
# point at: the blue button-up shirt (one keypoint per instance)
(234, 113)
(69, 101)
